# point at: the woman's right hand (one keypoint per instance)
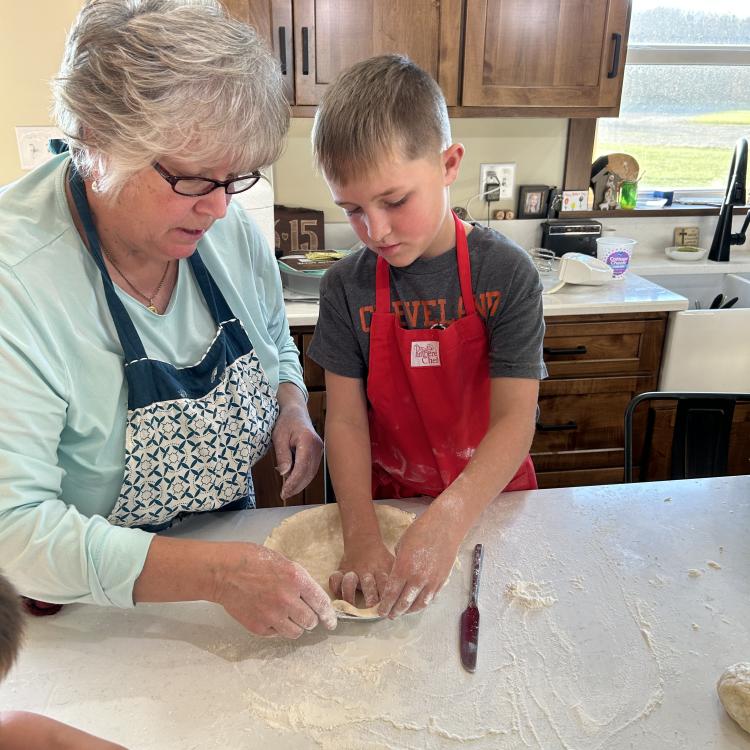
(269, 594)
(367, 569)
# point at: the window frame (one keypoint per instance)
(582, 132)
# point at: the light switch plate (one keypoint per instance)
(32, 144)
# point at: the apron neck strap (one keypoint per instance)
(383, 274)
(215, 300)
(129, 339)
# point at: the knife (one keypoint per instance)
(470, 617)
(731, 303)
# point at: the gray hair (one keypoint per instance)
(145, 79)
(385, 105)
(11, 625)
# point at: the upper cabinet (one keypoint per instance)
(314, 40)
(491, 57)
(545, 54)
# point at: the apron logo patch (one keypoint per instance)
(425, 354)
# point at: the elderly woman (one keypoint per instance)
(145, 357)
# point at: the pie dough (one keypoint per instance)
(734, 691)
(313, 538)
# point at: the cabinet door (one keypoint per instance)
(272, 19)
(545, 53)
(331, 35)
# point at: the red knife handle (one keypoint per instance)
(476, 572)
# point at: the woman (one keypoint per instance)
(145, 356)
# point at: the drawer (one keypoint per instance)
(584, 417)
(579, 478)
(603, 347)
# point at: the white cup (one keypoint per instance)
(616, 253)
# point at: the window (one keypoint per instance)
(686, 93)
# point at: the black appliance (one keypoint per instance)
(571, 236)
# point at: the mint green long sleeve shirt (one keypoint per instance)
(63, 397)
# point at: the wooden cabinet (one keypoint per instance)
(596, 364)
(545, 53)
(560, 58)
(314, 40)
(265, 477)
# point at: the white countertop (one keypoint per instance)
(631, 293)
(625, 654)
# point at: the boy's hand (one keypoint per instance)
(366, 569)
(424, 558)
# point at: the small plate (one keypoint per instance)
(686, 253)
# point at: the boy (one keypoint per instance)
(432, 354)
(20, 730)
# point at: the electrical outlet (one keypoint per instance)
(32, 144)
(506, 177)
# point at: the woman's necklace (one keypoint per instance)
(151, 306)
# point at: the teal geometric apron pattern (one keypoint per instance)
(190, 456)
(192, 433)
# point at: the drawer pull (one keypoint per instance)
(580, 349)
(556, 427)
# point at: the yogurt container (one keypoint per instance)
(616, 253)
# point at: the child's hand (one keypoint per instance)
(366, 569)
(424, 558)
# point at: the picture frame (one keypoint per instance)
(532, 201)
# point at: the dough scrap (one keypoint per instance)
(734, 692)
(313, 538)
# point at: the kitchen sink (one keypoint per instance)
(702, 288)
(707, 350)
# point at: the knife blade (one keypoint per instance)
(469, 628)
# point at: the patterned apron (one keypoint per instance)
(192, 433)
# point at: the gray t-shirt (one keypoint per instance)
(507, 291)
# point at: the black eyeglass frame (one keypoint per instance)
(173, 179)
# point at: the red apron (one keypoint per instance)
(429, 394)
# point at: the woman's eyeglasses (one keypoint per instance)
(204, 185)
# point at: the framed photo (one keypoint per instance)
(532, 201)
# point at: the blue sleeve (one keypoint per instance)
(48, 549)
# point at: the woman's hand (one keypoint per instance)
(269, 594)
(298, 447)
(424, 558)
(366, 569)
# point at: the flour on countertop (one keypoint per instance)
(530, 594)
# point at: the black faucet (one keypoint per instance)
(735, 196)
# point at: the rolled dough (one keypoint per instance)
(313, 538)
(734, 692)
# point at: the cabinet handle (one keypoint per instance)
(556, 427)
(305, 51)
(617, 39)
(580, 349)
(282, 49)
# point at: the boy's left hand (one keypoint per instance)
(424, 558)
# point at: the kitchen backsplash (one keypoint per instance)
(653, 233)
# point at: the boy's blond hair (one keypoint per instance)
(380, 107)
(11, 625)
